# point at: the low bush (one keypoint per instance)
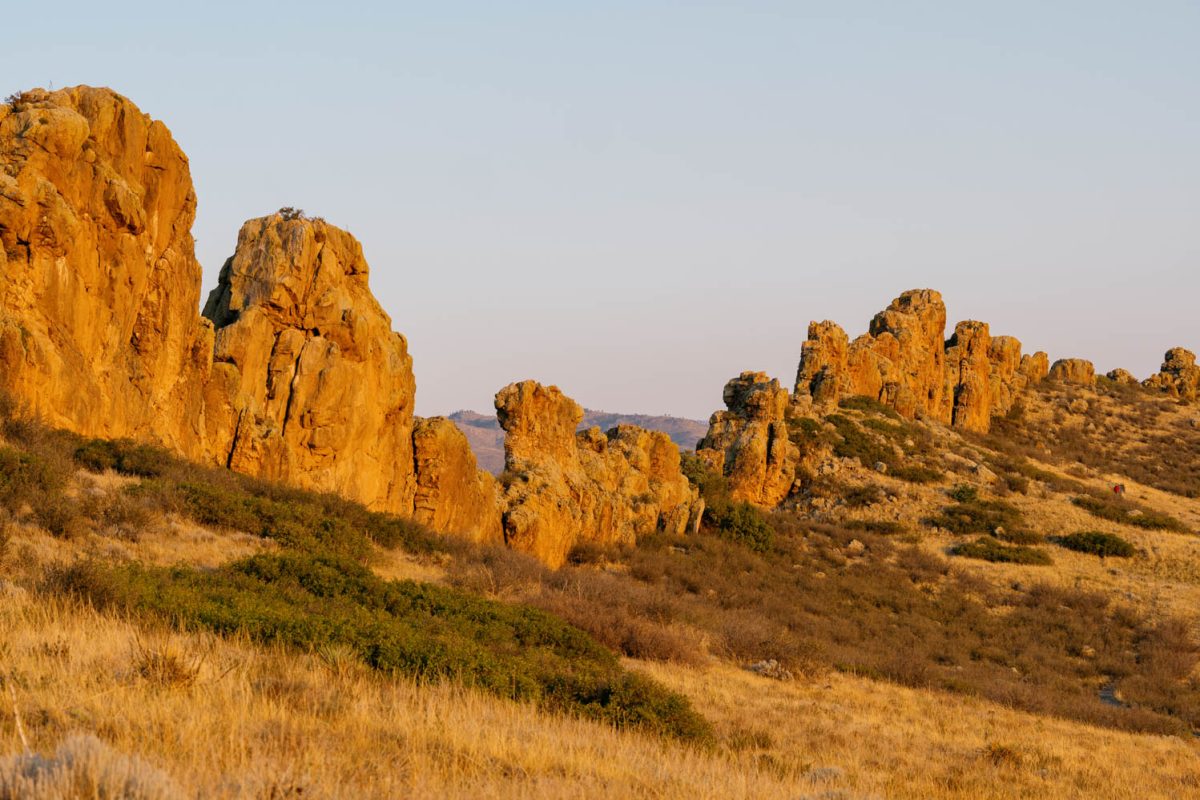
(420, 630)
(1128, 514)
(746, 525)
(987, 548)
(738, 521)
(124, 456)
(1097, 543)
(914, 473)
(978, 516)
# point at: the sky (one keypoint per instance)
(638, 200)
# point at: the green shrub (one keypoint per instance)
(916, 473)
(862, 496)
(857, 443)
(1128, 513)
(990, 549)
(978, 516)
(747, 525)
(1097, 543)
(124, 456)
(885, 527)
(964, 493)
(27, 478)
(419, 630)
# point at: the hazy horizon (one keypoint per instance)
(638, 201)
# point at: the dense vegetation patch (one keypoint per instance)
(420, 630)
(876, 442)
(988, 548)
(736, 520)
(1128, 513)
(1097, 543)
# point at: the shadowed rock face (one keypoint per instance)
(1179, 377)
(563, 487)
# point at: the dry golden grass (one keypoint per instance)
(249, 722)
(226, 719)
(875, 739)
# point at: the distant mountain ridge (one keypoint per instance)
(487, 439)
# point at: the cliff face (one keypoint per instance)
(98, 325)
(314, 387)
(563, 487)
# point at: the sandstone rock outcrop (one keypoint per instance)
(98, 325)
(1122, 377)
(900, 361)
(749, 441)
(1179, 376)
(562, 488)
(293, 373)
(1075, 371)
(314, 387)
(903, 362)
(452, 493)
(968, 375)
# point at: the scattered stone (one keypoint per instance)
(856, 548)
(770, 668)
(1078, 406)
(881, 467)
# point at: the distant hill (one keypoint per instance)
(487, 439)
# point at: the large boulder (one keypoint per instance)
(749, 441)
(1074, 371)
(1179, 376)
(564, 488)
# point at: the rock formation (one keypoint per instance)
(313, 386)
(903, 362)
(1122, 377)
(968, 376)
(562, 488)
(1179, 376)
(749, 441)
(452, 494)
(98, 325)
(898, 362)
(1075, 371)
(293, 373)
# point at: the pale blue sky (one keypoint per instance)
(637, 200)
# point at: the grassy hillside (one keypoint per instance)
(984, 618)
